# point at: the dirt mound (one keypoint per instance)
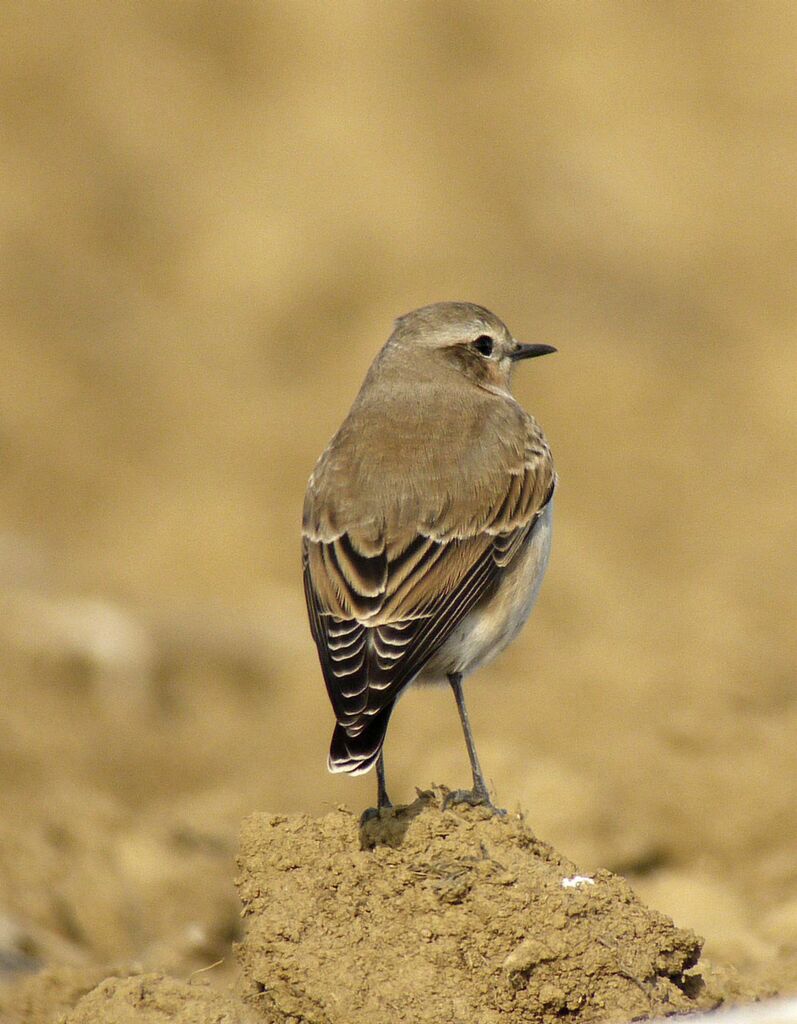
(434, 914)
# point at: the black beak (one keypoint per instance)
(531, 351)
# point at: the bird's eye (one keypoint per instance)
(484, 345)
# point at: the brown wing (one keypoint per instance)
(380, 608)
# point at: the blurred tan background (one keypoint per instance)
(210, 214)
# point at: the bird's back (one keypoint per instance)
(425, 453)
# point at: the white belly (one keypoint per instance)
(490, 627)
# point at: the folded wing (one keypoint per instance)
(381, 606)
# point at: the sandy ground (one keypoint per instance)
(210, 215)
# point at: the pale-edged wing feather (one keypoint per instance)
(366, 667)
(378, 618)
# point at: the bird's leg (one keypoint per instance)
(479, 785)
(382, 799)
(479, 793)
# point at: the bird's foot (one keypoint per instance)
(374, 813)
(476, 797)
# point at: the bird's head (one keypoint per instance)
(464, 336)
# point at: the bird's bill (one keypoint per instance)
(531, 351)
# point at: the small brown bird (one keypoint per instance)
(427, 526)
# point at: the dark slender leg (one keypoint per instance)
(382, 799)
(479, 793)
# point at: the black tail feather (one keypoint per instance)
(357, 754)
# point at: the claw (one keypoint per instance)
(473, 797)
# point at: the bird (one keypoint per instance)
(426, 527)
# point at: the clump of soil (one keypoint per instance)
(44, 997)
(69, 995)
(155, 999)
(433, 914)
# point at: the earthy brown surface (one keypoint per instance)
(210, 214)
(87, 996)
(153, 999)
(451, 915)
(44, 997)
